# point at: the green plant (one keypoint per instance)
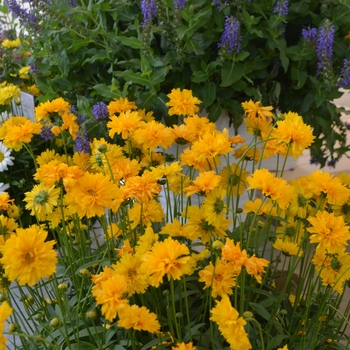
(108, 49)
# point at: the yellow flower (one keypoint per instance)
(5, 201)
(110, 292)
(41, 200)
(153, 135)
(18, 130)
(129, 267)
(146, 241)
(9, 44)
(234, 254)
(234, 179)
(49, 155)
(184, 346)
(125, 124)
(138, 318)
(329, 231)
(214, 206)
(91, 195)
(176, 229)
(120, 105)
(26, 256)
(8, 93)
(182, 102)
(284, 348)
(256, 267)
(220, 278)
(287, 247)
(166, 258)
(5, 312)
(231, 326)
(7, 225)
(293, 132)
(260, 208)
(203, 184)
(49, 109)
(253, 110)
(198, 126)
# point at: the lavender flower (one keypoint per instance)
(230, 39)
(344, 74)
(281, 8)
(80, 117)
(324, 48)
(25, 17)
(219, 4)
(310, 34)
(149, 10)
(46, 132)
(33, 68)
(82, 142)
(331, 163)
(179, 4)
(100, 111)
(315, 160)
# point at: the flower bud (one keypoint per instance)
(91, 315)
(62, 287)
(283, 312)
(248, 314)
(102, 148)
(12, 328)
(217, 245)
(84, 273)
(179, 314)
(2, 297)
(55, 322)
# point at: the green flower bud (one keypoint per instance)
(55, 322)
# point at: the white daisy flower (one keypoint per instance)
(5, 116)
(5, 157)
(3, 187)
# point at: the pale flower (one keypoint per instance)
(5, 157)
(5, 116)
(3, 187)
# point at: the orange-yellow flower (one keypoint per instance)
(203, 184)
(138, 318)
(329, 231)
(26, 256)
(184, 346)
(182, 102)
(5, 312)
(220, 278)
(125, 124)
(293, 132)
(91, 195)
(120, 105)
(5, 201)
(168, 258)
(231, 326)
(253, 110)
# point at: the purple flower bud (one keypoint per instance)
(80, 117)
(179, 4)
(46, 132)
(149, 10)
(281, 8)
(324, 48)
(100, 111)
(344, 74)
(230, 39)
(82, 142)
(332, 163)
(25, 17)
(310, 34)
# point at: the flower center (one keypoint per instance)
(219, 206)
(41, 197)
(302, 201)
(91, 192)
(2, 157)
(29, 258)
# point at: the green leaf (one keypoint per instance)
(159, 75)
(107, 91)
(135, 78)
(215, 112)
(199, 76)
(132, 42)
(299, 76)
(194, 329)
(192, 45)
(63, 63)
(231, 73)
(209, 94)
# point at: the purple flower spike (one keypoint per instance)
(324, 48)
(310, 34)
(46, 132)
(230, 38)
(82, 142)
(149, 10)
(344, 74)
(179, 4)
(281, 8)
(100, 111)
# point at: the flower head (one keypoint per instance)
(324, 50)
(100, 111)
(182, 102)
(27, 256)
(231, 39)
(5, 157)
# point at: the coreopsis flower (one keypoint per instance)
(145, 214)
(138, 318)
(54, 172)
(142, 188)
(231, 326)
(300, 203)
(41, 200)
(146, 116)
(6, 159)
(287, 247)
(146, 241)
(120, 105)
(126, 123)
(110, 292)
(259, 127)
(234, 179)
(293, 132)
(214, 206)
(5, 201)
(50, 109)
(256, 267)
(8, 93)
(275, 188)
(124, 168)
(176, 229)
(248, 153)
(129, 267)
(233, 253)
(254, 110)
(200, 227)
(168, 258)
(190, 158)
(153, 135)
(198, 126)
(7, 225)
(203, 184)
(91, 195)
(9, 44)
(182, 102)
(5, 313)
(27, 257)
(70, 123)
(257, 206)
(329, 231)
(325, 183)
(18, 130)
(49, 155)
(184, 346)
(220, 278)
